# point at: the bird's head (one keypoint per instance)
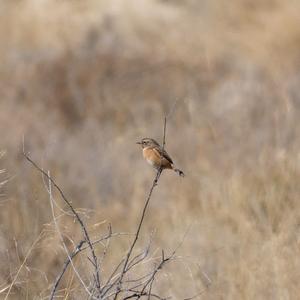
(147, 142)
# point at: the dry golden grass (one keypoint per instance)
(83, 80)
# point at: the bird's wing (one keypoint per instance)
(163, 153)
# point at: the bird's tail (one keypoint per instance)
(179, 172)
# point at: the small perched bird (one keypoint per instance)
(157, 156)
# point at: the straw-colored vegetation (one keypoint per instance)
(84, 80)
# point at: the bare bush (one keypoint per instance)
(123, 281)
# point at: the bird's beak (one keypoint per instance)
(139, 143)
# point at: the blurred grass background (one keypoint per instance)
(83, 80)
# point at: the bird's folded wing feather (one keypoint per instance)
(162, 153)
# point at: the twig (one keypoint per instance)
(84, 230)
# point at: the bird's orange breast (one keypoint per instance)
(154, 158)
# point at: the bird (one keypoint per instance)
(157, 156)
